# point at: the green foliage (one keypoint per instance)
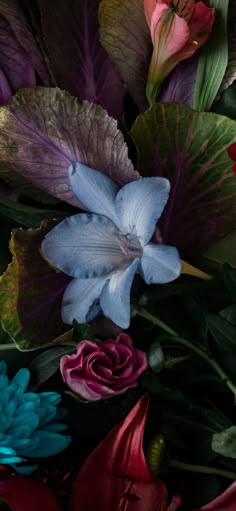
(224, 443)
(213, 59)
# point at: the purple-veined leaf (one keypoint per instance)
(42, 131)
(126, 37)
(12, 12)
(15, 63)
(189, 148)
(31, 294)
(179, 86)
(78, 61)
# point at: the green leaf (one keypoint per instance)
(223, 332)
(45, 365)
(6, 227)
(125, 35)
(156, 357)
(230, 279)
(190, 149)
(213, 60)
(223, 251)
(224, 443)
(31, 293)
(226, 105)
(230, 74)
(229, 313)
(26, 215)
(83, 331)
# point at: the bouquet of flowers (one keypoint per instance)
(117, 255)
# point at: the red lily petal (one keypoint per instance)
(232, 152)
(25, 494)
(225, 502)
(117, 473)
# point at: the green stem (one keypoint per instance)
(201, 352)
(202, 469)
(7, 347)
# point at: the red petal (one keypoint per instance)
(25, 494)
(232, 152)
(115, 475)
(225, 502)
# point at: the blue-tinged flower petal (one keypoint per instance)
(7, 450)
(24, 469)
(55, 427)
(30, 445)
(50, 444)
(21, 379)
(25, 430)
(84, 246)
(80, 297)
(115, 296)
(50, 397)
(3, 382)
(95, 190)
(140, 204)
(11, 459)
(160, 264)
(25, 408)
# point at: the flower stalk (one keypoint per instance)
(202, 352)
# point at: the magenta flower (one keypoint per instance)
(178, 28)
(115, 476)
(25, 494)
(101, 371)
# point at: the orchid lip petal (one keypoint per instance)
(160, 264)
(81, 299)
(85, 246)
(115, 296)
(140, 204)
(95, 190)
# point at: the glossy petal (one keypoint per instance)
(24, 494)
(115, 296)
(81, 300)
(200, 27)
(50, 444)
(140, 204)
(95, 190)
(160, 264)
(149, 7)
(225, 502)
(84, 246)
(169, 32)
(120, 468)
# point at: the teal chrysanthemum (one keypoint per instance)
(30, 424)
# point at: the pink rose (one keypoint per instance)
(101, 371)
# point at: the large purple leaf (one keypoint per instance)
(15, 63)
(31, 293)
(179, 86)
(42, 131)
(190, 148)
(13, 14)
(126, 37)
(79, 62)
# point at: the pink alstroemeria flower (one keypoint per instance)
(115, 476)
(178, 28)
(225, 502)
(25, 494)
